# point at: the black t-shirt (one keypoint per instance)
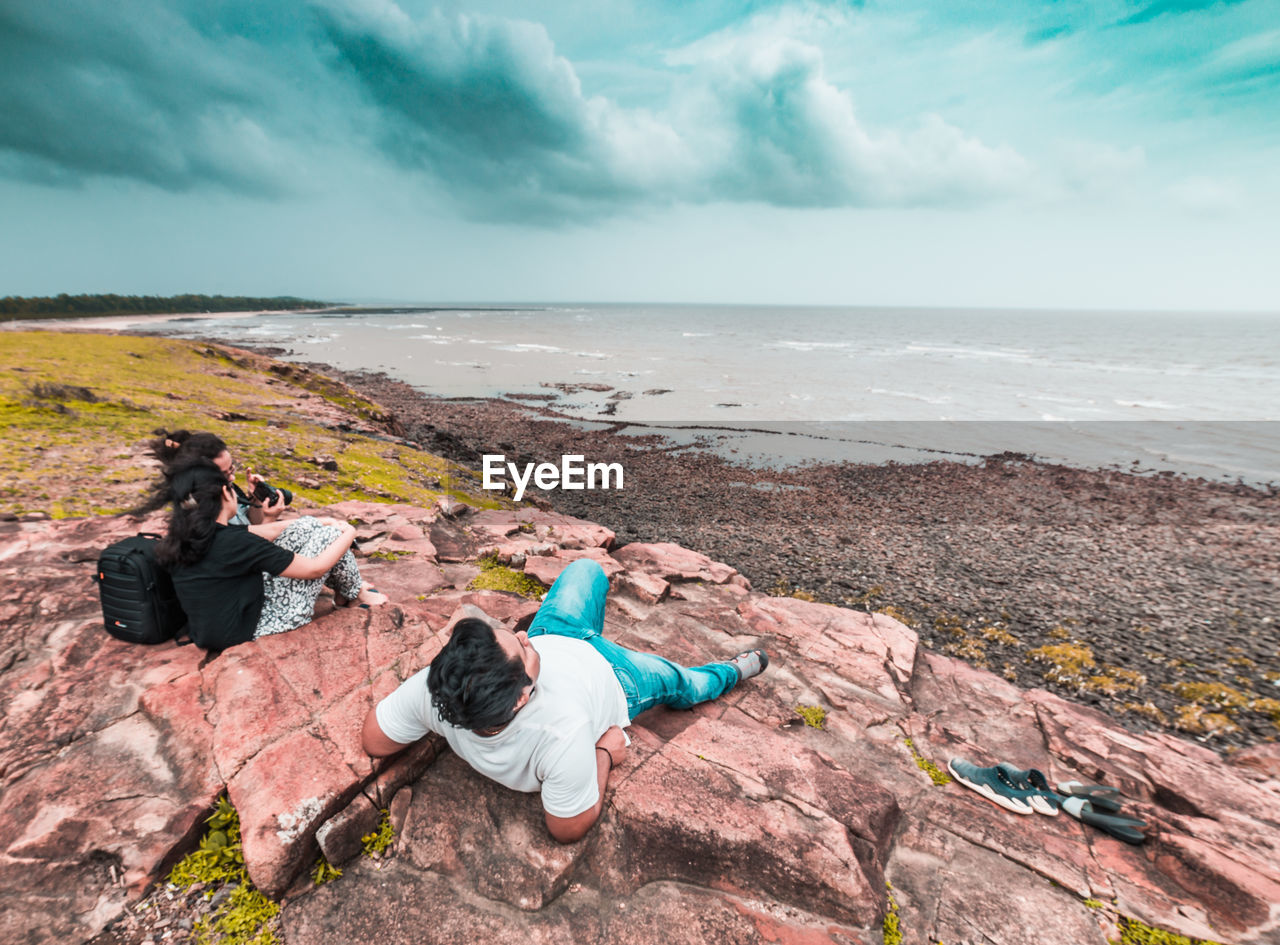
(222, 593)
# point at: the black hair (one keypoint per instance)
(196, 493)
(177, 450)
(473, 683)
(172, 448)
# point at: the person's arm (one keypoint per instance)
(266, 512)
(375, 740)
(310, 568)
(611, 749)
(268, 530)
(405, 718)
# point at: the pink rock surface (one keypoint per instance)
(673, 563)
(546, 568)
(731, 822)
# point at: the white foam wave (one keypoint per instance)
(1147, 404)
(960, 351)
(528, 348)
(885, 392)
(811, 345)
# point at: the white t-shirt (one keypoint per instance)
(549, 745)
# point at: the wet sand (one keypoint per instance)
(123, 322)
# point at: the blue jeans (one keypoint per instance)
(574, 607)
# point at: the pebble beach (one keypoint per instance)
(1151, 597)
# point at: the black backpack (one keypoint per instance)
(139, 604)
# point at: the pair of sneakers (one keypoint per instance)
(1021, 791)
(1027, 791)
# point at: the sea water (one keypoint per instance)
(1198, 393)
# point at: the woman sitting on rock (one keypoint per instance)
(237, 586)
(180, 448)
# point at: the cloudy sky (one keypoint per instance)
(1119, 153)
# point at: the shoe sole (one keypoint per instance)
(985, 790)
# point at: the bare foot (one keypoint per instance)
(369, 597)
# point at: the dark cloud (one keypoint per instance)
(183, 94)
(488, 107)
(485, 105)
(128, 90)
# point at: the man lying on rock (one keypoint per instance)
(544, 710)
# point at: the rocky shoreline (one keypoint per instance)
(1152, 598)
(810, 805)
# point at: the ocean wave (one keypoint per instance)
(980, 354)
(481, 365)
(945, 399)
(594, 355)
(1052, 399)
(1148, 404)
(810, 345)
(528, 348)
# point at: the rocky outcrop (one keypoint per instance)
(732, 822)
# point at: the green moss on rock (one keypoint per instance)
(815, 716)
(936, 774)
(495, 576)
(77, 408)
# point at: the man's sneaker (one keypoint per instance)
(991, 784)
(750, 663)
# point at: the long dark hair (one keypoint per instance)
(177, 450)
(196, 493)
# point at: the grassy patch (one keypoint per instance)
(815, 716)
(389, 555)
(324, 871)
(1114, 680)
(936, 774)
(1211, 695)
(1148, 710)
(376, 843)
(891, 928)
(1134, 932)
(244, 916)
(1195, 720)
(1069, 664)
(496, 576)
(895, 614)
(77, 408)
(1268, 707)
(783, 588)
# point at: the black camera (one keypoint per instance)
(266, 494)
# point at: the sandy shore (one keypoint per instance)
(122, 322)
(1154, 598)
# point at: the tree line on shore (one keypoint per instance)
(63, 306)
